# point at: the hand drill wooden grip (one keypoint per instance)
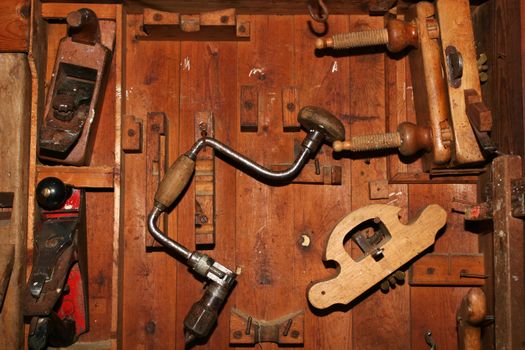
(175, 180)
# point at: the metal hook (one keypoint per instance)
(321, 11)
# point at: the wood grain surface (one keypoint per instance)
(274, 236)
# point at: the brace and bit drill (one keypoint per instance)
(321, 127)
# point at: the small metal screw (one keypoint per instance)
(242, 29)
(248, 105)
(237, 334)
(295, 334)
(131, 132)
(224, 19)
(203, 219)
(155, 128)
(150, 327)
(157, 17)
(290, 106)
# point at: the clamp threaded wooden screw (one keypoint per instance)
(397, 36)
(409, 138)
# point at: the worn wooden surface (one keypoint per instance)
(275, 236)
(14, 25)
(15, 97)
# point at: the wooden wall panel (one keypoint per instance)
(260, 228)
(317, 209)
(374, 310)
(148, 279)
(264, 213)
(434, 308)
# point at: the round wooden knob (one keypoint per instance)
(316, 118)
(414, 138)
(400, 35)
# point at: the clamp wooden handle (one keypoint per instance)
(175, 180)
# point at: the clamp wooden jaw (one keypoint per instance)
(355, 277)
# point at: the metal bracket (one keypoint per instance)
(286, 330)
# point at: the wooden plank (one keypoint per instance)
(53, 10)
(14, 25)
(85, 176)
(314, 216)
(508, 262)
(265, 62)
(15, 96)
(117, 257)
(449, 270)
(148, 277)
(375, 310)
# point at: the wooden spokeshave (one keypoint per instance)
(398, 244)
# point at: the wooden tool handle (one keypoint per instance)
(175, 180)
(471, 313)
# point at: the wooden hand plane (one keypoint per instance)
(391, 246)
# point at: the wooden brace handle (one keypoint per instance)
(175, 180)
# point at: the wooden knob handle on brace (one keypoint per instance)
(409, 139)
(174, 181)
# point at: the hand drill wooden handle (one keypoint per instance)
(175, 180)
(470, 315)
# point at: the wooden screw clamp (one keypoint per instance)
(409, 138)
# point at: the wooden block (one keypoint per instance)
(249, 108)
(131, 134)
(290, 98)
(242, 23)
(156, 143)
(7, 260)
(378, 189)
(82, 176)
(190, 23)
(448, 270)
(61, 10)
(478, 113)
(155, 17)
(204, 183)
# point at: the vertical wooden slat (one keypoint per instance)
(318, 208)
(148, 305)
(375, 310)
(15, 97)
